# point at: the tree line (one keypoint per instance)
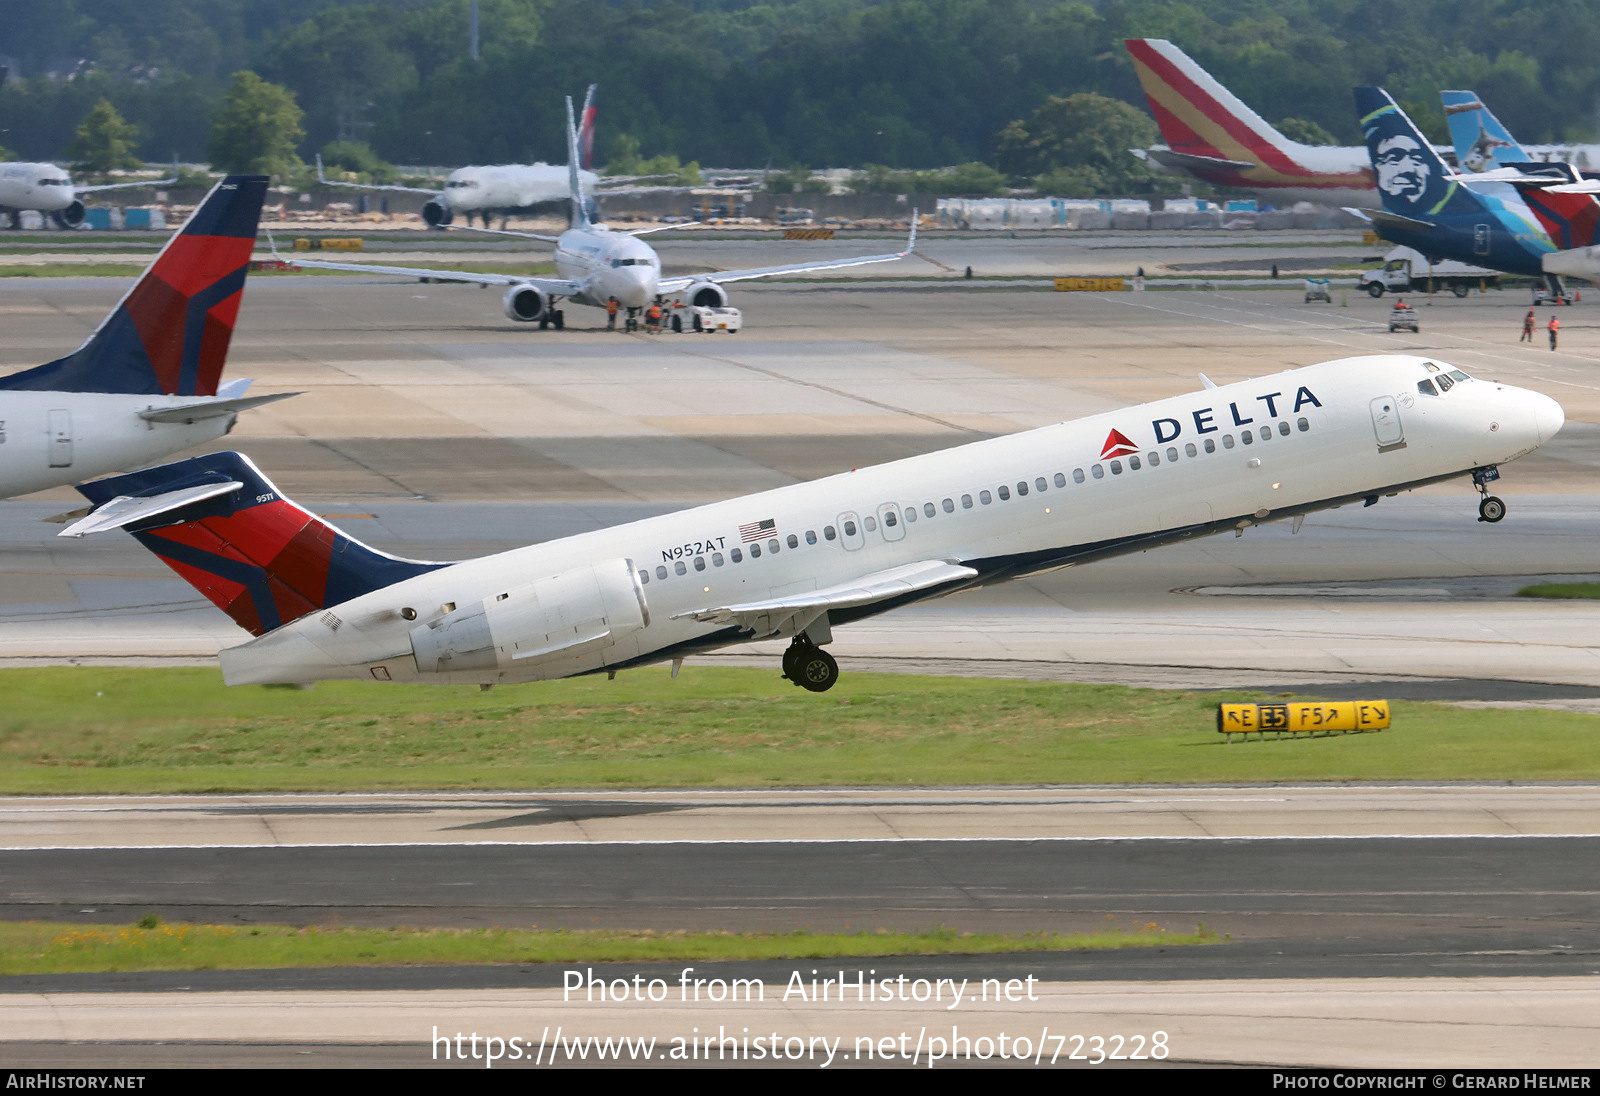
(1030, 89)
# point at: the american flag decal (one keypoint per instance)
(757, 530)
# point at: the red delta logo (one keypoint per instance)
(1117, 445)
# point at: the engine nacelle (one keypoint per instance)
(72, 216)
(590, 614)
(436, 213)
(706, 295)
(525, 303)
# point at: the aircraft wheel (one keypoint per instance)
(677, 324)
(697, 325)
(1491, 509)
(1374, 289)
(1460, 290)
(560, 319)
(816, 670)
(544, 322)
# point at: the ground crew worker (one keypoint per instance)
(1554, 327)
(1400, 304)
(1527, 327)
(652, 318)
(611, 313)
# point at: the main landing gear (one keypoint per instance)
(809, 666)
(1490, 508)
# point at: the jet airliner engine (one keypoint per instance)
(71, 217)
(436, 213)
(706, 295)
(526, 303)
(585, 618)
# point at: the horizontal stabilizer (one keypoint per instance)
(879, 586)
(1166, 157)
(1384, 219)
(1579, 262)
(126, 509)
(210, 409)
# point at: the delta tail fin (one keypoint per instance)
(1412, 180)
(169, 335)
(1481, 142)
(229, 532)
(586, 129)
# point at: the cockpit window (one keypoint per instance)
(1458, 375)
(1445, 383)
(1426, 388)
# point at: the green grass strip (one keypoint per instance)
(97, 730)
(37, 947)
(1562, 590)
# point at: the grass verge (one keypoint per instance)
(101, 730)
(37, 947)
(1562, 590)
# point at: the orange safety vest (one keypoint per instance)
(655, 312)
(611, 307)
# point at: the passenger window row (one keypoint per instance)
(985, 498)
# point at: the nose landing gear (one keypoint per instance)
(809, 666)
(1490, 508)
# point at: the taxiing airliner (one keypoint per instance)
(144, 384)
(498, 189)
(798, 561)
(48, 189)
(595, 263)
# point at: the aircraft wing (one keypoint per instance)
(879, 586)
(505, 232)
(1166, 157)
(123, 186)
(673, 285)
(321, 178)
(556, 287)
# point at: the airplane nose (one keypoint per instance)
(1549, 416)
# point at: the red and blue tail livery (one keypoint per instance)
(170, 334)
(228, 531)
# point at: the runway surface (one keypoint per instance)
(431, 426)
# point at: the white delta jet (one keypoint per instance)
(145, 383)
(48, 189)
(501, 189)
(595, 264)
(799, 561)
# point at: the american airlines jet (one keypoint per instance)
(800, 561)
(595, 263)
(145, 383)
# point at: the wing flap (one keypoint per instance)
(878, 586)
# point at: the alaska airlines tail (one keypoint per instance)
(228, 531)
(1481, 142)
(169, 335)
(1412, 180)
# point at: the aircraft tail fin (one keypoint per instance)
(1481, 142)
(1197, 116)
(170, 333)
(584, 213)
(229, 532)
(1412, 179)
(586, 129)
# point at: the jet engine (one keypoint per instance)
(71, 217)
(706, 295)
(436, 213)
(526, 303)
(590, 615)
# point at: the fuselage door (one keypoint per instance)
(1480, 239)
(1386, 423)
(850, 535)
(60, 438)
(889, 521)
